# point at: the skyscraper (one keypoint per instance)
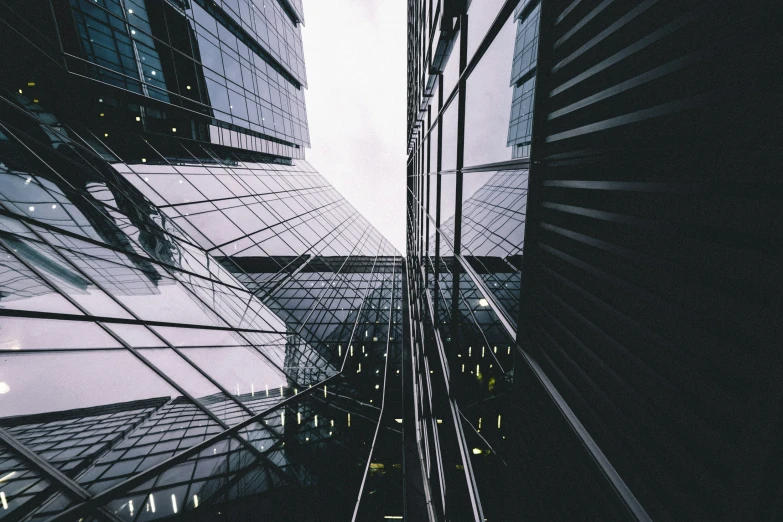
(193, 322)
(594, 258)
(195, 325)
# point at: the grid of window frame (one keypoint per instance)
(233, 79)
(98, 236)
(465, 227)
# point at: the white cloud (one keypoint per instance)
(355, 54)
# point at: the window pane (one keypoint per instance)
(434, 148)
(448, 197)
(488, 103)
(21, 289)
(240, 370)
(493, 231)
(481, 14)
(498, 114)
(433, 195)
(53, 382)
(449, 122)
(21, 333)
(23, 490)
(451, 71)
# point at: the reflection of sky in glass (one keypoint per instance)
(44, 382)
(149, 306)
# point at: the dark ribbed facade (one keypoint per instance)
(601, 179)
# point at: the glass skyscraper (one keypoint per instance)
(593, 258)
(195, 325)
(193, 322)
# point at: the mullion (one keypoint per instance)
(79, 193)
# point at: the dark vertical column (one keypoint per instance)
(463, 59)
(456, 269)
(439, 162)
(428, 186)
(536, 175)
(415, 501)
(409, 197)
(422, 192)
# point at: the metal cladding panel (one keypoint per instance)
(651, 291)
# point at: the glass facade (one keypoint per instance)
(194, 324)
(468, 177)
(588, 285)
(226, 73)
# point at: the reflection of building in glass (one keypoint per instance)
(193, 322)
(103, 446)
(239, 63)
(593, 313)
(493, 226)
(523, 78)
(195, 325)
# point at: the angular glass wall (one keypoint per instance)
(133, 328)
(193, 323)
(193, 333)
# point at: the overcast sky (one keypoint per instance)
(355, 54)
